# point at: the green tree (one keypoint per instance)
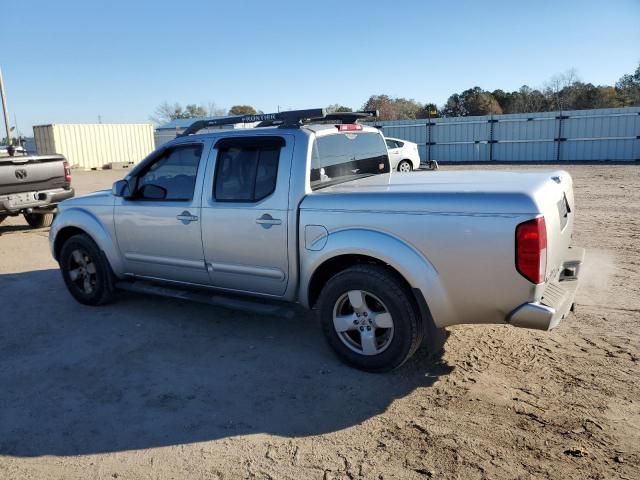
(242, 110)
(337, 108)
(628, 89)
(473, 101)
(454, 107)
(429, 110)
(399, 108)
(385, 106)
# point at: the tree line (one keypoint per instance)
(563, 92)
(167, 112)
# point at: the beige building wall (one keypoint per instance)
(92, 146)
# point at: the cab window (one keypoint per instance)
(341, 157)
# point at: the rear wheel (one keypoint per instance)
(86, 271)
(369, 318)
(405, 166)
(39, 220)
(2, 218)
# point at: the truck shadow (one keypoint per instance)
(148, 372)
(12, 228)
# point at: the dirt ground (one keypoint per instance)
(151, 388)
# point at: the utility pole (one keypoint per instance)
(10, 149)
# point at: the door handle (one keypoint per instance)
(186, 217)
(267, 221)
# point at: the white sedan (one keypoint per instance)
(403, 155)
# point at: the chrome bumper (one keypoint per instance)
(41, 200)
(557, 299)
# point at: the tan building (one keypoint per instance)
(96, 146)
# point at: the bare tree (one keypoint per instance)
(214, 111)
(167, 111)
(558, 89)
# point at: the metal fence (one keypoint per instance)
(611, 134)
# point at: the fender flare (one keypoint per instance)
(414, 267)
(84, 220)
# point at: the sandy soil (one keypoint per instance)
(152, 388)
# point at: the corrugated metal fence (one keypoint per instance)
(579, 135)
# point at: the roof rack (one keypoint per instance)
(290, 119)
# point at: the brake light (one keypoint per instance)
(349, 127)
(531, 249)
(67, 172)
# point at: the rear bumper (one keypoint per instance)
(557, 299)
(41, 200)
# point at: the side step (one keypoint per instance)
(259, 306)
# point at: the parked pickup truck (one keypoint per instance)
(304, 208)
(33, 186)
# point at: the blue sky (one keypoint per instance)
(70, 61)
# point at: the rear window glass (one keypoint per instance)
(346, 156)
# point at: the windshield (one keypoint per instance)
(345, 156)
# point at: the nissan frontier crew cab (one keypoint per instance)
(304, 208)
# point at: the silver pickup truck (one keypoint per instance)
(33, 186)
(304, 208)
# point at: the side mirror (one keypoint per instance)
(121, 189)
(153, 192)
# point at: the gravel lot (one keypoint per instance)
(151, 388)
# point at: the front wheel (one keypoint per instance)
(86, 271)
(369, 318)
(405, 166)
(39, 220)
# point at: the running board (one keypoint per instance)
(259, 306)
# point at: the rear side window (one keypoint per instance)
(247, 168)
(341, 157)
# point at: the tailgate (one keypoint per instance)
(559, 211)
(29, 174)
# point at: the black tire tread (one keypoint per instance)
(395, 288)
(39, 220)
(107, 290)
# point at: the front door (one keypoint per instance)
(158, 229)
(245, 207)
(395, 153)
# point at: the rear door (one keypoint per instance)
(245, 203)
(158, 230)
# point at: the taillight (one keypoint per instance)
(349, 127)
(67, 172)
(531, 249)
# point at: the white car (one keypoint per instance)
(403, 155)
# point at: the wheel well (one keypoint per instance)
(337, 264)
(63, 235)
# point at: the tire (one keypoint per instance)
(405, 166)
(2, 218)
(86, 271)
(356, 338)
(39, 220)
